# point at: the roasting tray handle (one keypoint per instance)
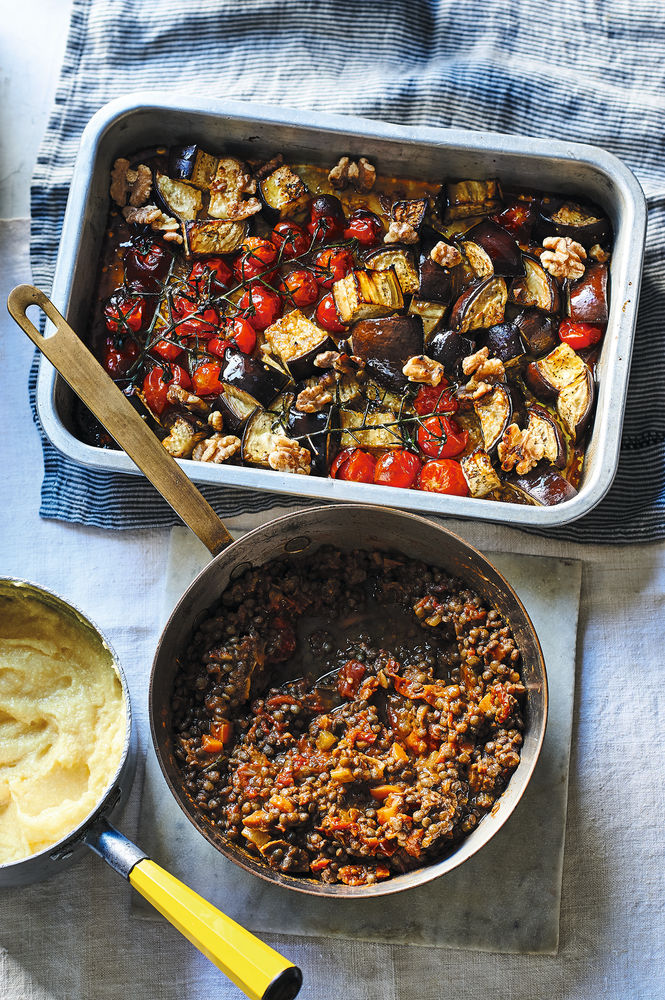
(80, 369)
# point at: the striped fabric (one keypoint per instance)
(586, 70)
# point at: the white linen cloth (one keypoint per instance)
(73, 938)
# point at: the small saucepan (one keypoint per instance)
(346, 526)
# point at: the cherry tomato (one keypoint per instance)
(397, 468)
(192, 320)
(260, 306)
(218, 346)
(210, 277)
(364, 226)
(332, 264)
(291, 239)
(327, 316)
(435, 399)
(123, 313)
(326, 218)
(240, 333)
(167, 350)
(300, 287)
(118, 357)
(206, 379)
(256, 257)
(442, 437)
(146, 266)
(353, 465)
(157, 382)
(579, 335)
(443, 475)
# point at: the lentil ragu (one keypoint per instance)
(348, 716)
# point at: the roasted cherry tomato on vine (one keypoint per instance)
(300, 288)
(435, 399)
(146, 266)
(192, 320)
(579, 335)
(291, 239)
(218, 347)
(326, 218)
(332, 264)
(157, 382)
(210, 277)
(443, 475)
(326, 315)
(257, 256)
(123, 313)
(364, 226)
(206, 379)
(397, 468)
(240, 333)
(118, 357)
(353, 465)
(260, 306)
(167, 350)
(442, 437)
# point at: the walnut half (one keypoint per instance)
(315, 397)
(401, 232)
(288, 456)
(484, 371)
(423, 369)
(218, 448)
(520, 450)
(361, 174)
(563, 257)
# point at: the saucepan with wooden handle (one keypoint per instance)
(348, 526)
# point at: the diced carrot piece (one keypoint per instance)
(414, 743)
(319, 864)
(211, 745)
(221, 730)
(398, 752)
(380, 792)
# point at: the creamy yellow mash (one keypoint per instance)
(62, 724)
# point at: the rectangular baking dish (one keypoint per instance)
(153, 119)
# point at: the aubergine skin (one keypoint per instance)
(588, 297)
(181, 162)
(545, 487)
(539, 386)
(386, 344)
(596, 229)
(322, 446)
(539, 331)
(245, 372)
(327, 204)
(449, 348)
(503, 341)
(388, 339)
(500, 247)
(303, 365)
(437, 283)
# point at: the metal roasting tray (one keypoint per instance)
(147, 119)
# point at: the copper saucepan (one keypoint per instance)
(346, 526)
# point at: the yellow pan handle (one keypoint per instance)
(256, 968)
(259, 971)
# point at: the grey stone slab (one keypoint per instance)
(504, 899)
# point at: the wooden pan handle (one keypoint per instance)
(69, 355)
